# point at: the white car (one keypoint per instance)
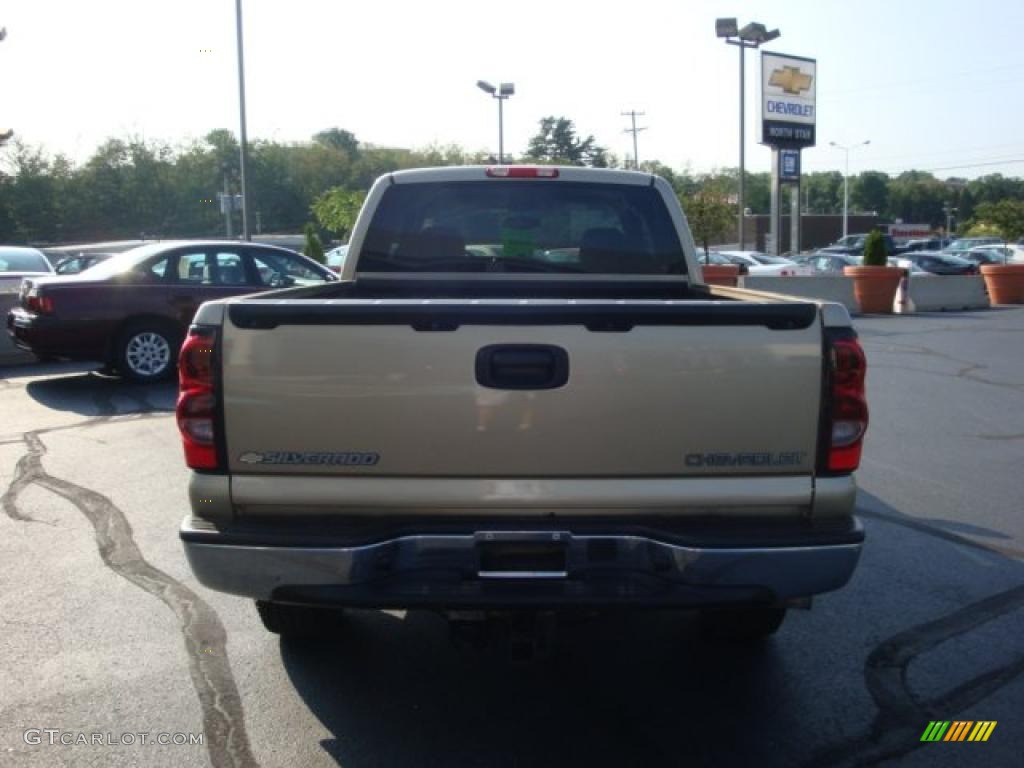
(335, 258)
(1016, 253)
(17, 262)
(759, 263)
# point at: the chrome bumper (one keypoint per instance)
(448, 570)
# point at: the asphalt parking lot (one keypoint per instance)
(105, 631)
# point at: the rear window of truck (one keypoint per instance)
(522, 226)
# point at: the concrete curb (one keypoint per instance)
(834, 288)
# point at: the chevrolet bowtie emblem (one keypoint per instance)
(791, 80)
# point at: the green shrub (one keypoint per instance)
(874, 250)
(313, 247)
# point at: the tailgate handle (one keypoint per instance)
(522, 366)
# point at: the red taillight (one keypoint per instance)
(197, 398)
(41, 305)
(522, 172)
(848, 409)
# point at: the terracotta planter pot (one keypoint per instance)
(875, 287)
(1004, 282)
(720, 274)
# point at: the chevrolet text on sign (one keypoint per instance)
(788, 100)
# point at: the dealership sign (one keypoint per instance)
(788, 104)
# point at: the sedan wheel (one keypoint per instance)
(147, 354)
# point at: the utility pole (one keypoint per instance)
(244, 140)
(633, 115)
(949, 210)
(227, 202)
(5, 136)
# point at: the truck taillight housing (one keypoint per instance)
(847, 408)
(197, 398)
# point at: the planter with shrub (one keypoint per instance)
(875, 283)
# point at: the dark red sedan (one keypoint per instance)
(131, 311)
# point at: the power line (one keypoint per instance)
(633, 115)
(942, 79)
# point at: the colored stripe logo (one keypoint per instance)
(958, 730)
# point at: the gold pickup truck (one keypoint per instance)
(522, 396)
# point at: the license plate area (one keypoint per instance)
(511, 555)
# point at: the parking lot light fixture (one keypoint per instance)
(753, 35)
(243, 139)
(502, 92)
(846, 177)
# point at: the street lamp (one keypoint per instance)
(949, 210)
(753, 35)
(846, 177)
(502, 92)
(244, 150)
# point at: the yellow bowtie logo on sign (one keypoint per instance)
(791, 80)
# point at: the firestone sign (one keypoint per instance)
(788, 100)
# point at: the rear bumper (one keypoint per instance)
(50, 336)
(446, 569)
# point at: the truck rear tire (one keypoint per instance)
(298, 620)
(743, 625)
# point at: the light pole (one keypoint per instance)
(753, 35)
(846, 177)
(949, 210)
(244, 149)
(502, 92)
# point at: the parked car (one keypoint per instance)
(131, 312)
(988, 254)
(335, 258)
(758, 263)
(854, 244)
(714, 257)
(17, 262)
(928, 244)
(72, 265)
(966, 243)
(910, 266)
(942, 263)
(828, 263)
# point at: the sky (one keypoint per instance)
(932, 85)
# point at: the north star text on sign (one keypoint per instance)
(789, 108)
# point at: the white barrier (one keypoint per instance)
(10, 354)
(826, 288)
(947, 292)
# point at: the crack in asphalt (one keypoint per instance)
(1014, 436)
(204, 635)
(897, 727)
(967, 369)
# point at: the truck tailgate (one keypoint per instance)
(475, 388)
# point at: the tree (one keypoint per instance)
(870, 192)
(557, 142)
(338, 139)
(1005, 218)
(710, 214)
(824, 192)
(917, 196)
(337, 209)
